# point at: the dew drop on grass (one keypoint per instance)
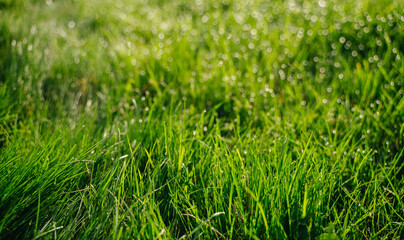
(72, 24)
(322, 3)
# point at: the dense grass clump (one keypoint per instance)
(224, 119)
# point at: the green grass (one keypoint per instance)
(201, 119)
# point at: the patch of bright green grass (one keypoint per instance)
(201, 119)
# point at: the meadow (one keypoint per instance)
(216, 119)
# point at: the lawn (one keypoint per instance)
(216, 119)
